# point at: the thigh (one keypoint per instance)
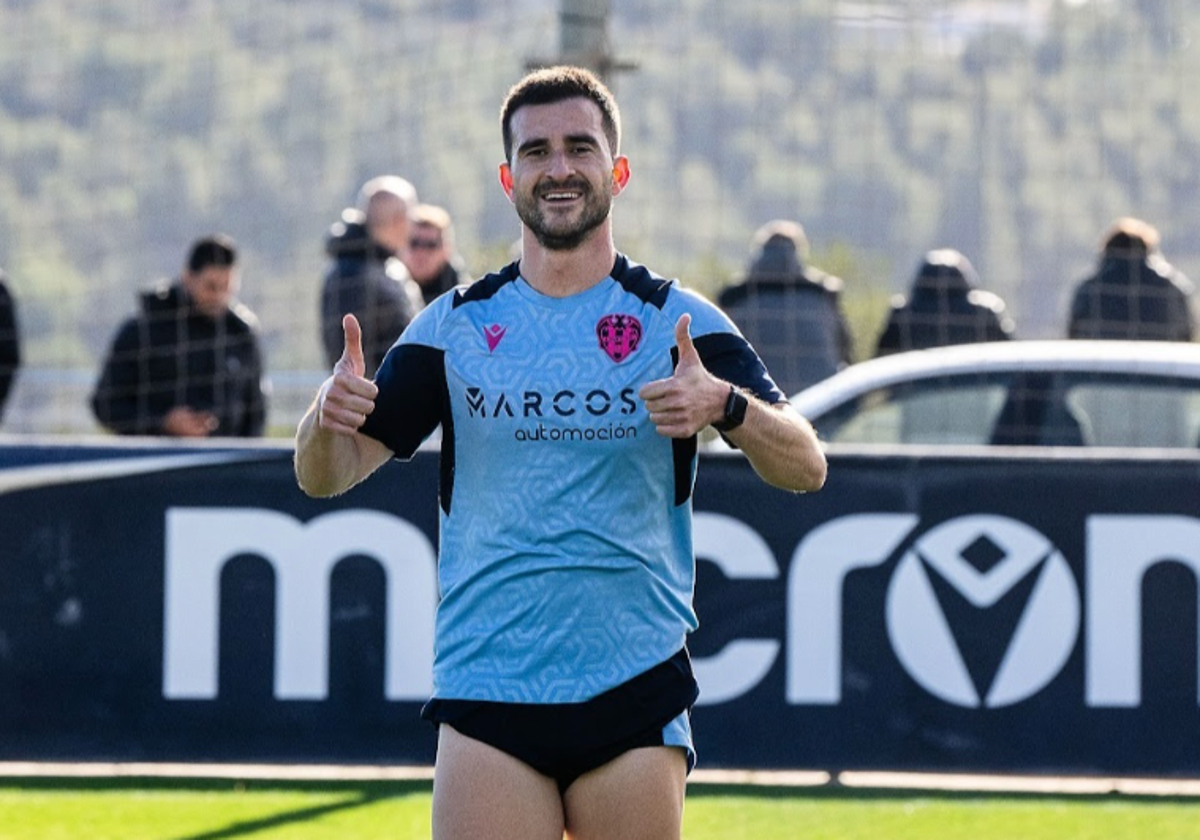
(480, 791)
(636, 796)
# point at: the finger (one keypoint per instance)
(345, 401)
(670, 424)
(338, 419)
(331, 422)
(683, 339)
(341, 412)
(353, 352)
(654, 390)
(354, 385)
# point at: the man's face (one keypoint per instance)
(426, 253)
(387, 222)
(211, 289)
(562, 172)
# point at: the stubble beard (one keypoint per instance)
(596, 209)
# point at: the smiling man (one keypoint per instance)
(570, 387)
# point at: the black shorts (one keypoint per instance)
(566, 740)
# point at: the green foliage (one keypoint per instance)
(129, 128)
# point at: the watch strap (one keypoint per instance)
(735, 411)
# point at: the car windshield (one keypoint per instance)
(1023, 408)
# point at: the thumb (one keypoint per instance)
(683, 340)
(354, 351)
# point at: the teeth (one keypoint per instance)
(555, 196)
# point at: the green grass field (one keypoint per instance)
(184, 809)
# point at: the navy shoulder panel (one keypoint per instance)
(485, 287)
(412, 398)
(640, 281)
(730, 357)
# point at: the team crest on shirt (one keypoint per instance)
(619, 335)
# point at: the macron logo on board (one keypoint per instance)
(200, 541)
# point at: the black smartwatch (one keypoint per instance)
(735, 411)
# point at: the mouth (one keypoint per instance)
(562, 194)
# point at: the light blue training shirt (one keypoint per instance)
(565, 562)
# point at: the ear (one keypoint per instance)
(506, 180)
(620, 173)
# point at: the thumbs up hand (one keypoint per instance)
(347, 397)
(352, 359)
(691, 398)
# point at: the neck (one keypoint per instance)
(565, 273)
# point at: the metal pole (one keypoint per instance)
(583, 34)
(583, 40)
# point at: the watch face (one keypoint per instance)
(735, 411)
(737, 407)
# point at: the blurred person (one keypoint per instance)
(790, 311)
(570, 386)
(944, 306)
(1134, 293)
(189, 364)
(10, 342)
(368, 277)
(432, 259)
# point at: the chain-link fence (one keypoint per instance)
(1014, 132)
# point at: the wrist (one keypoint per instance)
(733, 413)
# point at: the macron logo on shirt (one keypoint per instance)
(493, 334)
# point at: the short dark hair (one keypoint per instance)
(554, 84)
(216, 250)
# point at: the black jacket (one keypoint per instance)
(369, 281)
(944, 307)
(793, 319)
(10, 346)
(450, 276)
(169, 356)
(1133, 297)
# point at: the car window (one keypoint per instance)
(1122, 410)
(1036, 413)
(940, 410)
(1032, 408)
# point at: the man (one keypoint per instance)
(1135, 293)
(790, 311)
(368, 277)
(944, 306)
(189, 364)
(10, 343)
(431, 258)
(570, 387)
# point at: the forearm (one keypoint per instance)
(327, 463)
(781, 446)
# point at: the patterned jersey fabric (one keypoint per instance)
(566, 562)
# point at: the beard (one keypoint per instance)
(565, 235)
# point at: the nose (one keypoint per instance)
(560, 166)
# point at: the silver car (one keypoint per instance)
(1017, 393)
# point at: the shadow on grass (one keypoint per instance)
(834, 792)
(246, 827)
(358, 794)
